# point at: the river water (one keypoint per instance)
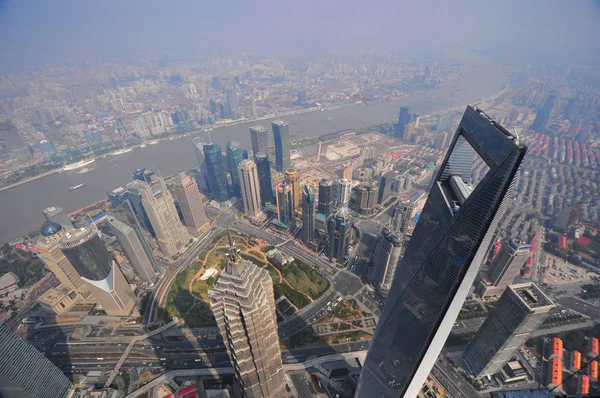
(21, 207)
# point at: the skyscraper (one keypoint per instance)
(234, 157)
(190, 203)
(232, 104)
(134, 195)
(385, 187)
(292, 179)
(243, 304)
(403, 120)
(285, 204)
(264, 177)
(344, 190)
(260, 139)
(215, 170)
(117, 197)
(301, 97)
(49, 252)
(366, 198)
(281, 136)
(171, 235)
(520, 311)
(543, 115)
(134, 250)
(248, 176)
(444, 122)
(326, 197)
(385, 260)
(504, 268)
(340, 235)
(27, 373)
(57, 214)
(86, 251)
(308, 215)
(442, 259)
(401, 218)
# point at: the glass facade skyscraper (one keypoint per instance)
(259, 138)
(264, 178)
(234, 157)
(325, 197)
(442, 259)
(215, 169)
(281, 136)
(308, 215)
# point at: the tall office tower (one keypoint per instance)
(385, 187)
(442, 259)
(190, 202)
(520, 311)
(27, 373)
(366, 198)
(543, 115)
(248, 175)
(401, 218)
(243, 304)
(134, 250)
(285, 204)
(57, 214)
(49, 252)
(142, 174)
(340, 235)
(308, 215)
(326, 197)
(234, 157)
(260, 139)
(344, 190)
(117, 197)
(202, 176)
(86, 251)
(134, 194)
(232, 104)
(403, 120)
(171, 235)
(385, 260)
(292, 179)
(281, 136)
(505, 267)
(215, 170)
(264, 177)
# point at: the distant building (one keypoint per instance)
(248, 176)
(86, 251)
(243, 304)
(234, 157)
(403, 120)
(519, 312)
(281, 136)
(139, 259)
(47, 149)
(190, 203)
(264, 177)
(49, 252)
(308, 215)
(142, 174)
(366, 198)
(442, 141)
(344, 191)
(134, 195)
(402, 215)
(57, 214)
(285, 204)
(292, 179)
(215, 170)
(543, 115)
(385, 260)
(504, 268)
(348, 170)
(326, 197)
(232, 104)
(260, 139)
(301, 97)
(10, 137)
(385, 187)
(25, 372)
(444, 122)
(117, 197)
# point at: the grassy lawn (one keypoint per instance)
(308, 338)
(347, 309)
(305, 279)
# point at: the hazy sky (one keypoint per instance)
(35, 31)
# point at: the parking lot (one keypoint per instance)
(558, 272)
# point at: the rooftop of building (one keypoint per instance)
(77, 236)
(532, 295)
(55, 295)
(50, 228)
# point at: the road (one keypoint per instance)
(456, 384)
(581, 306)
(302, 384)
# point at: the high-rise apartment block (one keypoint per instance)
(86, 251)
(190, 203)
(281, 136)
(49, 252)
(171, 235)
(139, 258)
(366, 198)
(308, 215)
(442, 259)
(243, 304)
(292, 179)
(520, 311)
(326, 197)
(260, 139)
(27, 373)
(57, 214)
(504, 268)
(248, 176)
(264, 177)
(385, 260)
